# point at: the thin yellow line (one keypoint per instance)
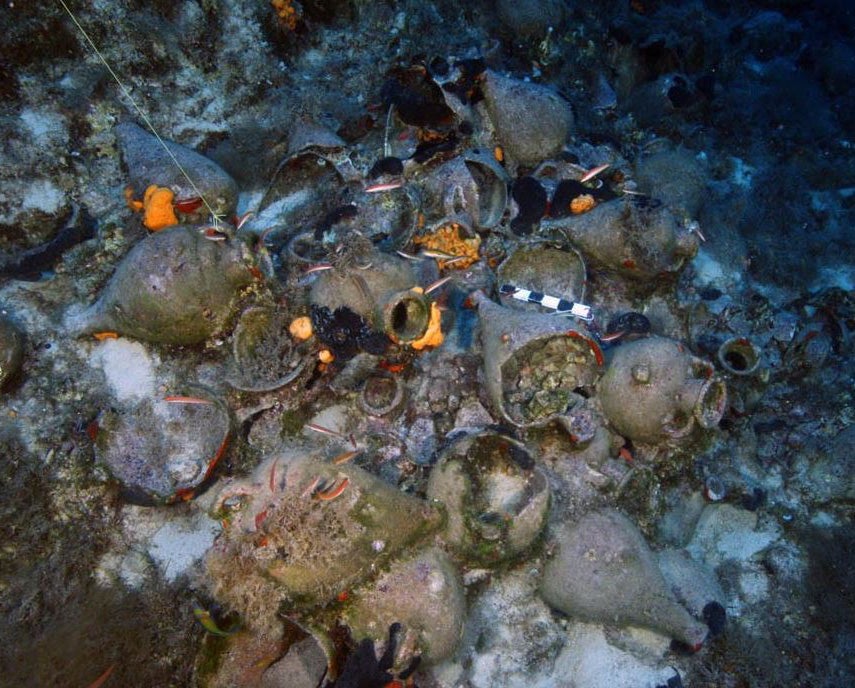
(139, 110)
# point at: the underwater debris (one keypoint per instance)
(265, 354)
(535, 364)
(496, 497)
(739, 356)
(165, 451)
(383, 394)
(532, 122)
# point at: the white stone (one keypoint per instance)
(42, 195)
(725, 532)
(753, 585)
(43, 127)
(179, 544)
(128, 366)
(588, 660)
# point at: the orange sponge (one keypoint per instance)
(433, 334)
(158, 212)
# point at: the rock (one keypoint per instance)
(148, 163)
(769, 34)
(530, 18)
(32, 211)
(593, 662)
(604, 571)
(531, 121)
(511, 637)
(179, 544)
(830, 475)
(173, 287)
(301, 667)
(128, 367)
(11, 349)
(725, 532)
(424, 594)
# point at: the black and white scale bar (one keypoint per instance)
(560, 306)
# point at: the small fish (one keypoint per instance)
(346, 456)
(273, 477)
(697, 230)
(333, 492)
(98, 682)
(324, 431)
(439, 255)
(178, 399)
(385, 186)
(332, 433)
(492, 518)
(262, 238)
(213, 234)
(204, 617)
(408, 256)
(320, 267)
(590, 174)
(313, 486)
(242, 220)
(188, 205)
(101, 336)
(436, 285)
